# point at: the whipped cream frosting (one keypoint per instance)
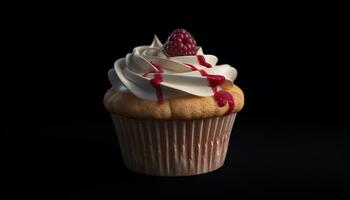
(179, 75)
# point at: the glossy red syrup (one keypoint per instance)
(221, 97)
(159, 69)
(156, 80)
(202, 61)
(193, 68)
(214, 80)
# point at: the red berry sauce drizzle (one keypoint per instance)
(202, 61)
(159, 69)
(193, 68)
(221, 97)
(156, 80)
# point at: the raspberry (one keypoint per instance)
(180, 43)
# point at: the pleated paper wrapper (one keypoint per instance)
(174, 147)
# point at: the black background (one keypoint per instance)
(291, 139)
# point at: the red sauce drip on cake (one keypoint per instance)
(221, 97)
(202, 61)
(156, 81)
(159, 69)
(214, 80)
(193, 68)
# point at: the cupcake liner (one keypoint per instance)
(174, 147)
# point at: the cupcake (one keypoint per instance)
(173, 107)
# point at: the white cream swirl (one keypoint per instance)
(180, 74)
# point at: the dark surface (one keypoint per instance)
(291, 140)
(275, 158)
